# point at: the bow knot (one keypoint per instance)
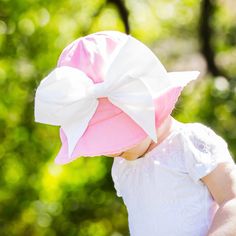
(99, 90)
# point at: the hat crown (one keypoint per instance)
(92, 53)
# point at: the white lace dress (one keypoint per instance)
(163, 192)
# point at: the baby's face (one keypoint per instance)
(135, 151)
(142, 148)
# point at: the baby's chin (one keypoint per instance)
(114, 155)
(125, 155)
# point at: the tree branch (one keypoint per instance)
(123, 12)
(207, 10)
(206, 33)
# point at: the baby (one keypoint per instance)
(112, 96)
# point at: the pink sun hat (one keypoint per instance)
(108, 93)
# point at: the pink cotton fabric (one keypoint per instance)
(110, 130)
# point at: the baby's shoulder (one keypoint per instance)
(202, 137)
(196, 126)
(196, 130)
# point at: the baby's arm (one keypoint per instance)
(221, 182)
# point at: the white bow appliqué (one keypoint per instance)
(68, 97)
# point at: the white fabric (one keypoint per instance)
(163, 192)
(68, 97)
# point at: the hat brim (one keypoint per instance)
(182, 78)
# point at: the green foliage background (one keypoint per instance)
(38, 197)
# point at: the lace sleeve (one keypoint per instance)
(204, 150)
